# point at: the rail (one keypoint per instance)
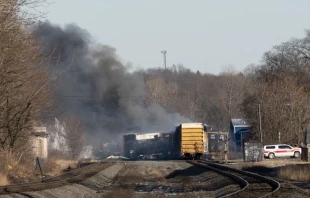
(223, 170)
(78, 175)
(242, 182)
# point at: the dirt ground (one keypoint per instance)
(141, 179)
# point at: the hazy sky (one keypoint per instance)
(202, 35)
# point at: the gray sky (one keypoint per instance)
(202, 35)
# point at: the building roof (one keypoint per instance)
(239, 123)
(40, 134)
(40, 131)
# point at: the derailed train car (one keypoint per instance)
(148, 146)
(185, 142)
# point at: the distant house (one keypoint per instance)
(239, 130)
(39, 142)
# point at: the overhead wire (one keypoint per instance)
(71, 97)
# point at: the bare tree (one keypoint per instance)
(281, 87)
(161, 92)
(25, 92)
(229, 91)
(75, 136)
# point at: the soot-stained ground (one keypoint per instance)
(145, 179)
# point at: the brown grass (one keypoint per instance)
(292, 172)
(158, 175)
(56, 166)
(266, 163)
(119, 192)
(129, 174)
(56, 162)
(288, 169)
(23, 166)
(3, 179)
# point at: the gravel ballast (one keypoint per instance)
(144, 179)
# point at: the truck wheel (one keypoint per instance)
(271, 155)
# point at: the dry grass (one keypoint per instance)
(295, 172)
(66, 163)
(23, 166)
(287, 169)
(3, 179)
(120, 192)
(281, 162)
(266, 163)
(56, 166)
(157, 175)
(57, 161)
(129, 174)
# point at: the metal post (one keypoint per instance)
(226, 149)
(38, 163)
(260, 124)
(164, 52)
(241, 142)
(234, 140)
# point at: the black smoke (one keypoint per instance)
(95, 86)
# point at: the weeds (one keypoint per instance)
(120, 192)
(3, 179)
(295, 172)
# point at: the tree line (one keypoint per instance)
(277, 89)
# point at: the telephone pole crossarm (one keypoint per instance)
(164, 52)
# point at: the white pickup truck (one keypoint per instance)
(281, 150)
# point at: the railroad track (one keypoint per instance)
(182, 182)
(74, 176)
(251, 184)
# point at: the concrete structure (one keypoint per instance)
(239, 130)
(40, 142)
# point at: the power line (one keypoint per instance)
(67, 97)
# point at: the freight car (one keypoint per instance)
(186, 142)
(188, 139)
(214, 142)
(148, 146)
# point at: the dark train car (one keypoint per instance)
(187, 141)
(126, 143)
(215, 142)
(148, 146)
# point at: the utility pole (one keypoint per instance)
(260, 124)
(164, 52)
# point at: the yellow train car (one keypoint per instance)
(189, 138)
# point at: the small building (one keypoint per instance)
(40, 146)
(240, 129)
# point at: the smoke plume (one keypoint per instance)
(98, 88)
